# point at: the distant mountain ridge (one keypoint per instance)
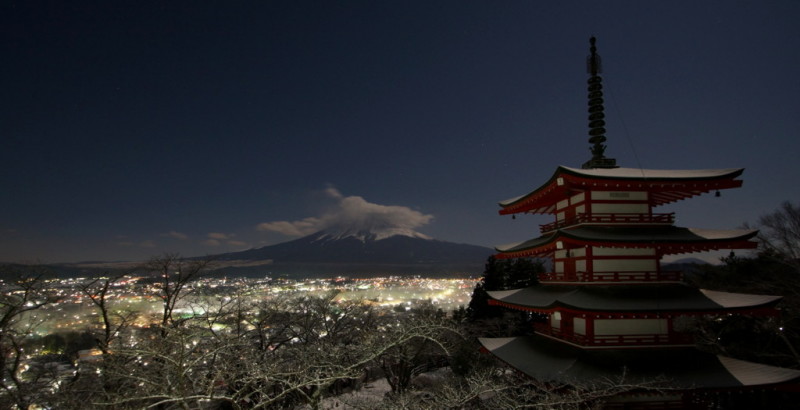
(354, 251)
(357, 250)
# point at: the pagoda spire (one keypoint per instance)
(596, 115)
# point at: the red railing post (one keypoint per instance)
(611, 218)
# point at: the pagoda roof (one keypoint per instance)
(666, 239)
(551, 361)
(665, 186)
(629, 299)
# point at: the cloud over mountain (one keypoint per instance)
(219, 238)
(352, 213)
(302, 227)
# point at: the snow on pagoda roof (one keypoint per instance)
(551, 361)
(669, 239)
(736, 300)
(640, 173)
(640, 298)
(667, 185)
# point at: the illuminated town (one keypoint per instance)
(74, 310)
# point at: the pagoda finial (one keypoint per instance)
(593, 64)
(596, 115)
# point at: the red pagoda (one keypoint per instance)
(610, 307)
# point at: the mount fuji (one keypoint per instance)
(359, 250)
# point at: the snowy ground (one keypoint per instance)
(370, 393)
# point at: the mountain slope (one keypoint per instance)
(362, 251)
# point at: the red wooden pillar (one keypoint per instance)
(590, 329)
(589, 263)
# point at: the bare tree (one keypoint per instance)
(306, 372)
(429, 334)
(173, 277)
(19, 297)
(494, 385)
(780, 233)
(499, 388)
(228, 352)
(116, 321)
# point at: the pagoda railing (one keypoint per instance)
(614, 218)
(645, 339)
(608, 277)
(615, 340)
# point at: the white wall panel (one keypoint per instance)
(579, 326)
(624, 265)
(602, 251)
(606, 327)
(619, 209)
(578, 252)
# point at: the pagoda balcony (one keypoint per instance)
(611, 219)
(614, 340)
(611, 277)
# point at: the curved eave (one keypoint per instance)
(666, 240)
(654, 174)
(674, 298)
(550, 361)
(665, 186)
(532, 247)
(542, 200)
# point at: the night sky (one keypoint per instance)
(130, 129)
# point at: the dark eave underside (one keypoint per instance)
(551, 361)
(667, 239)
(637, 298)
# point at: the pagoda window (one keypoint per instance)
(577, 198)
(579, 326)
(555, 320)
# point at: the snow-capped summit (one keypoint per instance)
(367, 233)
